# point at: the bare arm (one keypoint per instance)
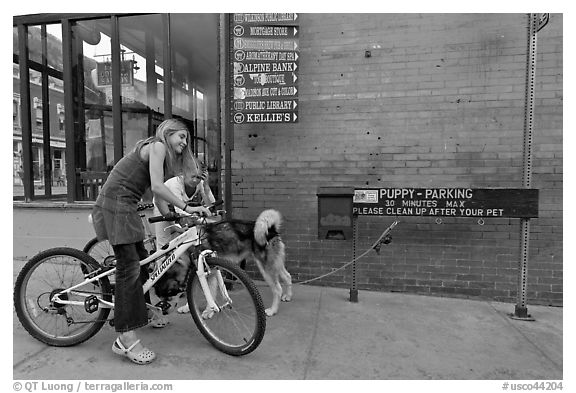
(157, 155)
(162, 206)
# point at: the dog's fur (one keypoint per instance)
(237, 240)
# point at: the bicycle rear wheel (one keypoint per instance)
(48, 273)
(238, 328)
(101, 251)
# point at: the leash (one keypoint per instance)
(384, 238)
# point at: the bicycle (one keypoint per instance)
(60, 305)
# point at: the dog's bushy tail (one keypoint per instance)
(267, 222)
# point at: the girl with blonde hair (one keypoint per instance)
(115, 218)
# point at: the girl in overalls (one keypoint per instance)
(115, 218)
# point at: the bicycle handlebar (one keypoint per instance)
(175, 216)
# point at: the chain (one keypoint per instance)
(375, 246)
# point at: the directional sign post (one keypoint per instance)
(265, 68)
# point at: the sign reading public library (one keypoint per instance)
(446, 202)
(265, 64)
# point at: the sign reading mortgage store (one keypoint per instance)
(446, 202)
(265, 68)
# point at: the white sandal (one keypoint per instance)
(145, 356)
(158, 321)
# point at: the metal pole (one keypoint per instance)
(521, 311)
(118, 135)
(353, 287)
(226, 55)
(25, 117)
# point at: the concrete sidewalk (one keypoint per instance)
(321, 335)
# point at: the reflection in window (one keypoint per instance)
(34, 44)
(96, 50)
(15, 43)
(38, 111)
(99, 140)
(195, 81)
(142, 52)
(60, 114)
(54, 46)
(16, 110)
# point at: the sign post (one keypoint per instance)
(535, 23)
(353, 285)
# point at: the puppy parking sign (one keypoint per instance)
(447, 202)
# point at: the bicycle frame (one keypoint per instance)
(174, 250)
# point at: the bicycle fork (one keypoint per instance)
(203, 272)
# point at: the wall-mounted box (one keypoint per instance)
(335, 213)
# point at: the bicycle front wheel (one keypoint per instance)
(50, 321)
(238, 327)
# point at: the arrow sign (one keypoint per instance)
(265, 44)
(265, 18)
(265, 104)
(268, 67)
(275, 117)
(265, 79)
(265, 31)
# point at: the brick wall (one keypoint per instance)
(440, 103)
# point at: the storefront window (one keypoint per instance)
(17, 164)
(36, 106)
(54, 46)
(142, 89)
(195, 80)
(34, 44)
(45, 77)
(142, 55)
(99, 138)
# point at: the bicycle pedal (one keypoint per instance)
(164, 306)
(91, 304)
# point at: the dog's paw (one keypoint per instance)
(270, 312)
(184, 309)
(286, 297)
(207, 313)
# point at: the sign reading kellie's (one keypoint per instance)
(265, 68)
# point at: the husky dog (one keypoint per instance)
(238, 240)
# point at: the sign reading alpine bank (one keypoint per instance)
(265, 68)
